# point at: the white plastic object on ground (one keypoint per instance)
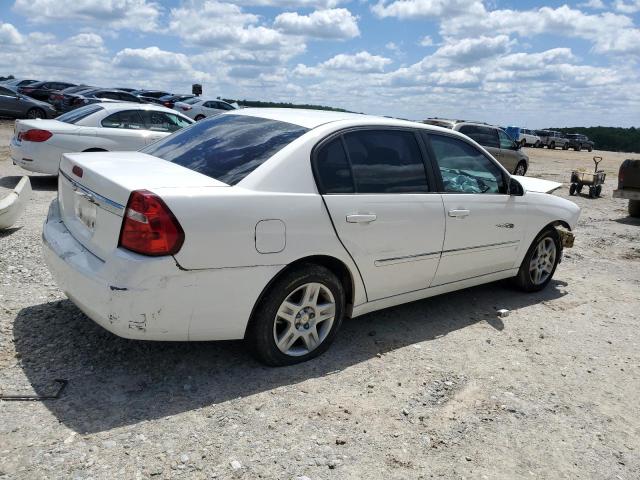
(12, 204)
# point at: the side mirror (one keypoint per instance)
(515, 189)
(516, 146)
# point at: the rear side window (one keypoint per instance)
(464, 168)
(78, 114)
(333, 170)
(129, 119)
(485, 136)
(226, 147)
(386, 161)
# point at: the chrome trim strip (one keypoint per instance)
(488, 245)
(407, 258)
(102, 201)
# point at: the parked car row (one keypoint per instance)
(550, 138)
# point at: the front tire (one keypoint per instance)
(34, 113)
(521, 169)
(298, 317)
(540, 262)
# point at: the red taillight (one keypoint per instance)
(149, 227)
(185, 108)
(77, 171)
(35, 135)
(168, 104)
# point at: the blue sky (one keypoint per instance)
(534, 64)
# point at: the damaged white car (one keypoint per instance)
(275, 225)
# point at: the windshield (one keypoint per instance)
(226, 147)
(78, 114)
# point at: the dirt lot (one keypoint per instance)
(440, 388)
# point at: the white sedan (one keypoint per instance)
(199, 108)
(273, 225)
(38, 145)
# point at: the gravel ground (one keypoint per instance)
(440, 388)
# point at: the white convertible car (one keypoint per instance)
(273, 225)
(38, 145)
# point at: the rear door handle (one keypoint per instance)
(459, 213)
(362, 218)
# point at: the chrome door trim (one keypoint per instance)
(488, 246)
(406, 258)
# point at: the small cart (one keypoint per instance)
(593, 180)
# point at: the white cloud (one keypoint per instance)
(474, 50)
(426, 41)
(337, 23)
(630, 7)
(119, 14)
(360, 62)
(151, 58)
(292, 3)
(425, 8)
(609, 32)
(9, 35)
(593, 4)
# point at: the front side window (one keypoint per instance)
(129, 119)
(163, 122)
(226, 147)
(465, 169)
(386, 161)
(506, 142)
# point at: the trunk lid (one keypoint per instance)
(93, 199)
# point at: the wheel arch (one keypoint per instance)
(335, 265)
(95, 149)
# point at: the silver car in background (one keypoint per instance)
(199, 108)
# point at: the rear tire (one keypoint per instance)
(598, 190)
(521, 169)
(275, 320)
(634, 208)
(540, 262)
(589, 149)
(34, 113)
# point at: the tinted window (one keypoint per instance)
(465, 169)
(130, 119)
(485, 136)
(6, 91)
(225, 106)
(332, 168)
(506, 141)
(107, 95)
(191, 101)
(79, 113)
(163, 122)
(210, 104)
(386, 161)
(226, 147)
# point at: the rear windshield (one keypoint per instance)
(78, 114)
(226, 147)
(191, 100)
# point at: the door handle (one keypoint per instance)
(459, 213)
(362, 218)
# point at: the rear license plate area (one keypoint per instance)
(86, 211)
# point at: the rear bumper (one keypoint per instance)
(629, 194)
(35, 157)
(150, 298)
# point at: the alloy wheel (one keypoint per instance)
(542, 261)
(521, 169)
(304, 319)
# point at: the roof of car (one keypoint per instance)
(314, 118)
